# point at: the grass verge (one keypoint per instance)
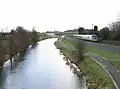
(96, 76)
(111, 42)
(112, 57)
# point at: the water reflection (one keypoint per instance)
(43, 68)
(2, 78)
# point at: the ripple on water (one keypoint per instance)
(43, 68)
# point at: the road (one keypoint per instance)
(106, 47)
(109, 67)
(102, 61)
(43, 68)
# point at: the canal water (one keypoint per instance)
(42, 68)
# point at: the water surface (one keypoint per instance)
(43, 68)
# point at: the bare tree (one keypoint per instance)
(4, 50)
(105, 33)
(35, 37)
(79, 51)
(80, 30)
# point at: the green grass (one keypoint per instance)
(113, 57)
(43, 36)
(62, 44)
(110, 42)
(96, 75)
(67, 42)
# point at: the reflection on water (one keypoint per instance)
(43, 68)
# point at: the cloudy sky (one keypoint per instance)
(57, 14)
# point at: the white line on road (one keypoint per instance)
(107, 72)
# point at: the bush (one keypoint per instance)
(104, 33)
(79, 51)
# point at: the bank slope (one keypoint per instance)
(96, 76)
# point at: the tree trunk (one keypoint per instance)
(1, 65)
(11, 61)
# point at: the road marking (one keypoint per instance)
(98, 55)
(107, 72)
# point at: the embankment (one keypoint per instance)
(96, 76)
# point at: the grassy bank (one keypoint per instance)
(97, 78)
(43, 36)
(112, 57)
(111, 42)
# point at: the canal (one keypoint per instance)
(43, 68)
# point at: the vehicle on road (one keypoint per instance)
(92, 37)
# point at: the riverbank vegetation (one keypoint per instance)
(96, 76)
(16, 42)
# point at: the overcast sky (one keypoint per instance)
(57, 14)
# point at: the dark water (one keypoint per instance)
(43, 68)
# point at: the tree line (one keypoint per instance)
(16, 41)
(106, 33)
